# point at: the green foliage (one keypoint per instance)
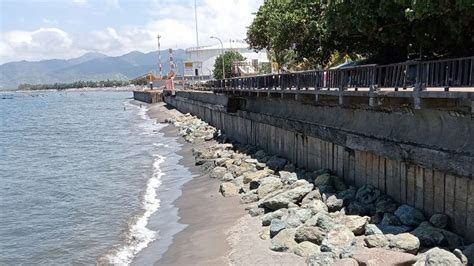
(75, 85)
(265, 68)
(315, 32)
(229, 58)
(290, 30)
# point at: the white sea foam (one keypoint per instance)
(139, 236)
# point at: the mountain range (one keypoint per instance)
(90, 66)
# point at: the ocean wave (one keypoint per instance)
(138, 235)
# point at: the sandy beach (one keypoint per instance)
(219, 231)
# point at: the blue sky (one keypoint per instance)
(46, 29)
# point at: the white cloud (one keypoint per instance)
(33, 45)
(79, 2)
(112, 3)
(175, 23)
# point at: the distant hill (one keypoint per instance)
(90, 66)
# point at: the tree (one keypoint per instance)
(229, 58)
(315, 32)
(289, 30)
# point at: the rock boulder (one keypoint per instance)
(410, 216)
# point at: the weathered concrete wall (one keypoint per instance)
(423, 158)
(148, 96)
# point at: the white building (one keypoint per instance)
(200, 60)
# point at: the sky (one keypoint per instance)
(60, 29)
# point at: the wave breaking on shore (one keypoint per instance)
(139, 236)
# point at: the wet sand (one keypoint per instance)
(206, 213)
(219, 231)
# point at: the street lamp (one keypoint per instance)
(222, 51)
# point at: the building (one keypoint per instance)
(200, 60)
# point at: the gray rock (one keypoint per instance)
(380, 256)
(339, 240)
(390, 219)
(239, 181)
(334, 204)
(289, 167)
(227, 177)
(249, 197)
(316, 206)
(264, 234)
(284, 241)
(440, 220)
(458, 253)
(372, 229)
(321, 259)
(355, 223)
(276, 163)
(367, 194)
(291, 219)
(346, 262)
(303, 214)
(268, 185)
(252, 161)
(358, 208)
(260, 154)
(251, 176)
(409, 215)
(228, 189)
(276, 225)
(309, 233)
(437, 256)
(296, 216)
(405, 242)
(321, 220)
(376, 218)
(284, 198)
(306, 248)
(256, 211)
(431, 236)
(268, 217)
(338, 183)
(394, 229)
(347, 195)
(323, 180)
(469, 252)
(313, 195)
(260, 166)
(376, 241)
(287, 177)
(385, 204)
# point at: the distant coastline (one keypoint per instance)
(124, 88)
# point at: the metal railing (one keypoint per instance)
(419, 75)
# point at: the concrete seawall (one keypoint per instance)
(421, 157)
(148, 96)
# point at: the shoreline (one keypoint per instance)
(203, 241)
(217, 230)
(103, 89)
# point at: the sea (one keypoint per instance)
(85, 178)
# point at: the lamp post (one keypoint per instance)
(222, 55)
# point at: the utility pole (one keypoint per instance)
(222, 55)
(160, 68)
(196, 20)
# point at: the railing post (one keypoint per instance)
(342, 87)
(373, 99)
(418, 88)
